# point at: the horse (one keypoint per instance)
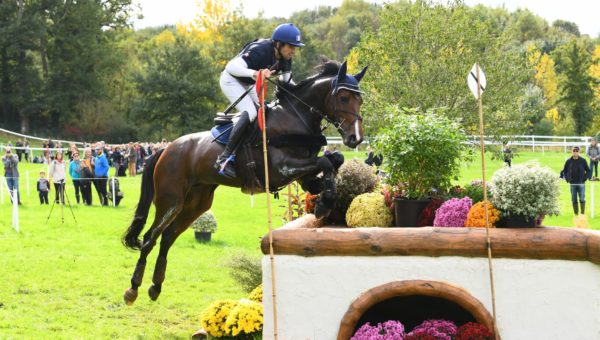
(181, 179)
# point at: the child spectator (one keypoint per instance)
(43, 186)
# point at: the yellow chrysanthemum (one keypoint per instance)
(246, 317)
(476, 216)
(214, 317)
(257, 294)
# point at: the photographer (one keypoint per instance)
(11, 172)
(58, 175)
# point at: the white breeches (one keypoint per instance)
(233, 89)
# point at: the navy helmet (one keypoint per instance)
(289, 34)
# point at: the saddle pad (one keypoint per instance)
(221, 133)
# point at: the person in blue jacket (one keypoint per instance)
(101, 174)
(75, 172)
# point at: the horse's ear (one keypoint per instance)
(361, 74)
(342, 72)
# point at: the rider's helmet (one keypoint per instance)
(289, 34)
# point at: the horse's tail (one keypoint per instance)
(130, 238)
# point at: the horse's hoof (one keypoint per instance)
(154, 292)
(321, 211)
(130, 296)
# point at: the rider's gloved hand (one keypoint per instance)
(267, 73)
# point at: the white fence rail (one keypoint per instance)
(536, 143)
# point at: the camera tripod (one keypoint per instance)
(62, 196)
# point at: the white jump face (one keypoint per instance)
(535, 299)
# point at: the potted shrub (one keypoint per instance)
(421, 154)
(524, 192)
(204, 226)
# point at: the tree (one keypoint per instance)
(177, 88)
(575, 86)
(417, 62)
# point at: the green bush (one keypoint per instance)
(369, 210)
(421, 152)
(354, 178)
(246, 270)
(473, 190)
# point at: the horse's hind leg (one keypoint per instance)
(199, 200)
(165, 214)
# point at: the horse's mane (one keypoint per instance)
(326, 68)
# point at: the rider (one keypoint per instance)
(272, 56)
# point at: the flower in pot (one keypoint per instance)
(421, 153)
(204, 226)
(524, 192)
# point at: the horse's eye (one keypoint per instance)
(345, 99)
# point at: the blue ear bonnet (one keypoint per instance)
(347, 81)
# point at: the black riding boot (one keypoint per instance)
(582, 205)
(575, 209)
(225, 160)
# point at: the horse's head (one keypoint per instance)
(343, 105)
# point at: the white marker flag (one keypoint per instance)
(472, 80)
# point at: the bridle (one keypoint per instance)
(337, 124)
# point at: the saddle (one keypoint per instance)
(253, 140)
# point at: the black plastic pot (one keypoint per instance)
(407, 211)
(202, 236)
(518, 221)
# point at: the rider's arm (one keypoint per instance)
(238, 67)
(286, 78)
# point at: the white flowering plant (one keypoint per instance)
(207, 222)
(527, 190)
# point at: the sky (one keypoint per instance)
(161, 12)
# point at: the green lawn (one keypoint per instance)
(66, 280)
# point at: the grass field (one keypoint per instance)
(66, 280)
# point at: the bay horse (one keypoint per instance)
(180, 180)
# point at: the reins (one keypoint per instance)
(312, 109)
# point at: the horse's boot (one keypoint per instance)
(225, 160)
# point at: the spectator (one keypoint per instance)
(19, 148)
(11, 172)
(43, 187)
(87, 176)
(101, 174)
(58, 175)
(27, 150)
(507, 155)
(75, 172)
(576, 172)
(593, 152)
(131, 159)
(373, 159)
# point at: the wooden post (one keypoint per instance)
(485, 201)
(266, 161)
(290, 212)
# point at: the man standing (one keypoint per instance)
(593, 152)
(101, 174)
(576, 172)
(11, 172)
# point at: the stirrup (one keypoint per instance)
(227, 169)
